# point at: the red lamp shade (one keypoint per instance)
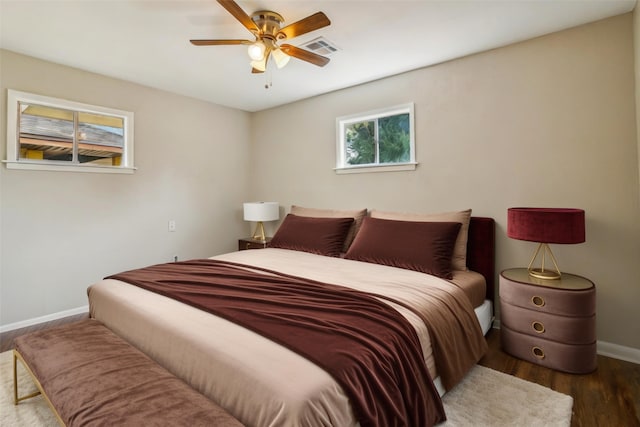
(546, 225)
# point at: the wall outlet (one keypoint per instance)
(171, 225)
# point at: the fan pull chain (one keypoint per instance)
(268, 79)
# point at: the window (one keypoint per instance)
(54, 134)
(381, 140)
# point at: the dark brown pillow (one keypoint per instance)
(356, 214)
(322, 236)
(419, 246)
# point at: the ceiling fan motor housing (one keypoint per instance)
(268, 22)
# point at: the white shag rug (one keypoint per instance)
(484, 398)
(29, 413)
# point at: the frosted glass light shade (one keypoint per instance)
(280, 58)
(256, 50)
(260, 65)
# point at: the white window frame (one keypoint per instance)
(14, 161)
(342, 122)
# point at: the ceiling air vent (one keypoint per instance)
(321, 46)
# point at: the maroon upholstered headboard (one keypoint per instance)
(481, 250)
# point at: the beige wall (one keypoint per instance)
(547, 122)
(636, 51)
(61, 231)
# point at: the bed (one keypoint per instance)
(262, 382)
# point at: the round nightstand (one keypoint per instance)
(549, 322)
(251, 243)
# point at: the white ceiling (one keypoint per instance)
(147, 41)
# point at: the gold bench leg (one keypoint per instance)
(40, 391)
(17, 399)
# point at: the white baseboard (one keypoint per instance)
(621, 352)
(43, 319)
(628, 354)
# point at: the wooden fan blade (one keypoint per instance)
(237, 12)
(306, 25)
(219, 42)
(305, 55)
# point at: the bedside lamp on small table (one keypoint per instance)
(260, 212)
(548, 317)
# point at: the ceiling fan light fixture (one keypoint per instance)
(256, 50)
(281, 59)
(266, 27)
(260, 65)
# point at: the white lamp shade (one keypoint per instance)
(261, 211)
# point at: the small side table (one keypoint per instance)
(549, 322)
(249, 243)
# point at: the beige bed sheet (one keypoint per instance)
(473, 284)
(259, 382)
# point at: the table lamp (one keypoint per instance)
(544, 226)
(259, 212)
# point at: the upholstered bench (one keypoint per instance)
(90, 376)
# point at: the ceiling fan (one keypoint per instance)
(265, 26)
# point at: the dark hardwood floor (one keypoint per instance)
(6, 338)
(610, 396)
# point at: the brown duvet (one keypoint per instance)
(264, 383)
(368, 347)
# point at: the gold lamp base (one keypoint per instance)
(259, 233)
(542, 272)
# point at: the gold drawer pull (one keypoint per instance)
(538, 352)
(538, 301)
(538, 327)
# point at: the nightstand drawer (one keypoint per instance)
(568, 302)
(569, 330)
(572, 358)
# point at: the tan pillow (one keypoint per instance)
(356, 214)
(459, 258)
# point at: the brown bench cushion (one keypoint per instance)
(93, 377)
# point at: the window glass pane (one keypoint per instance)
(360, 143)
(394, 135)
(100, 139)
(46, 133)
(376, 141)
